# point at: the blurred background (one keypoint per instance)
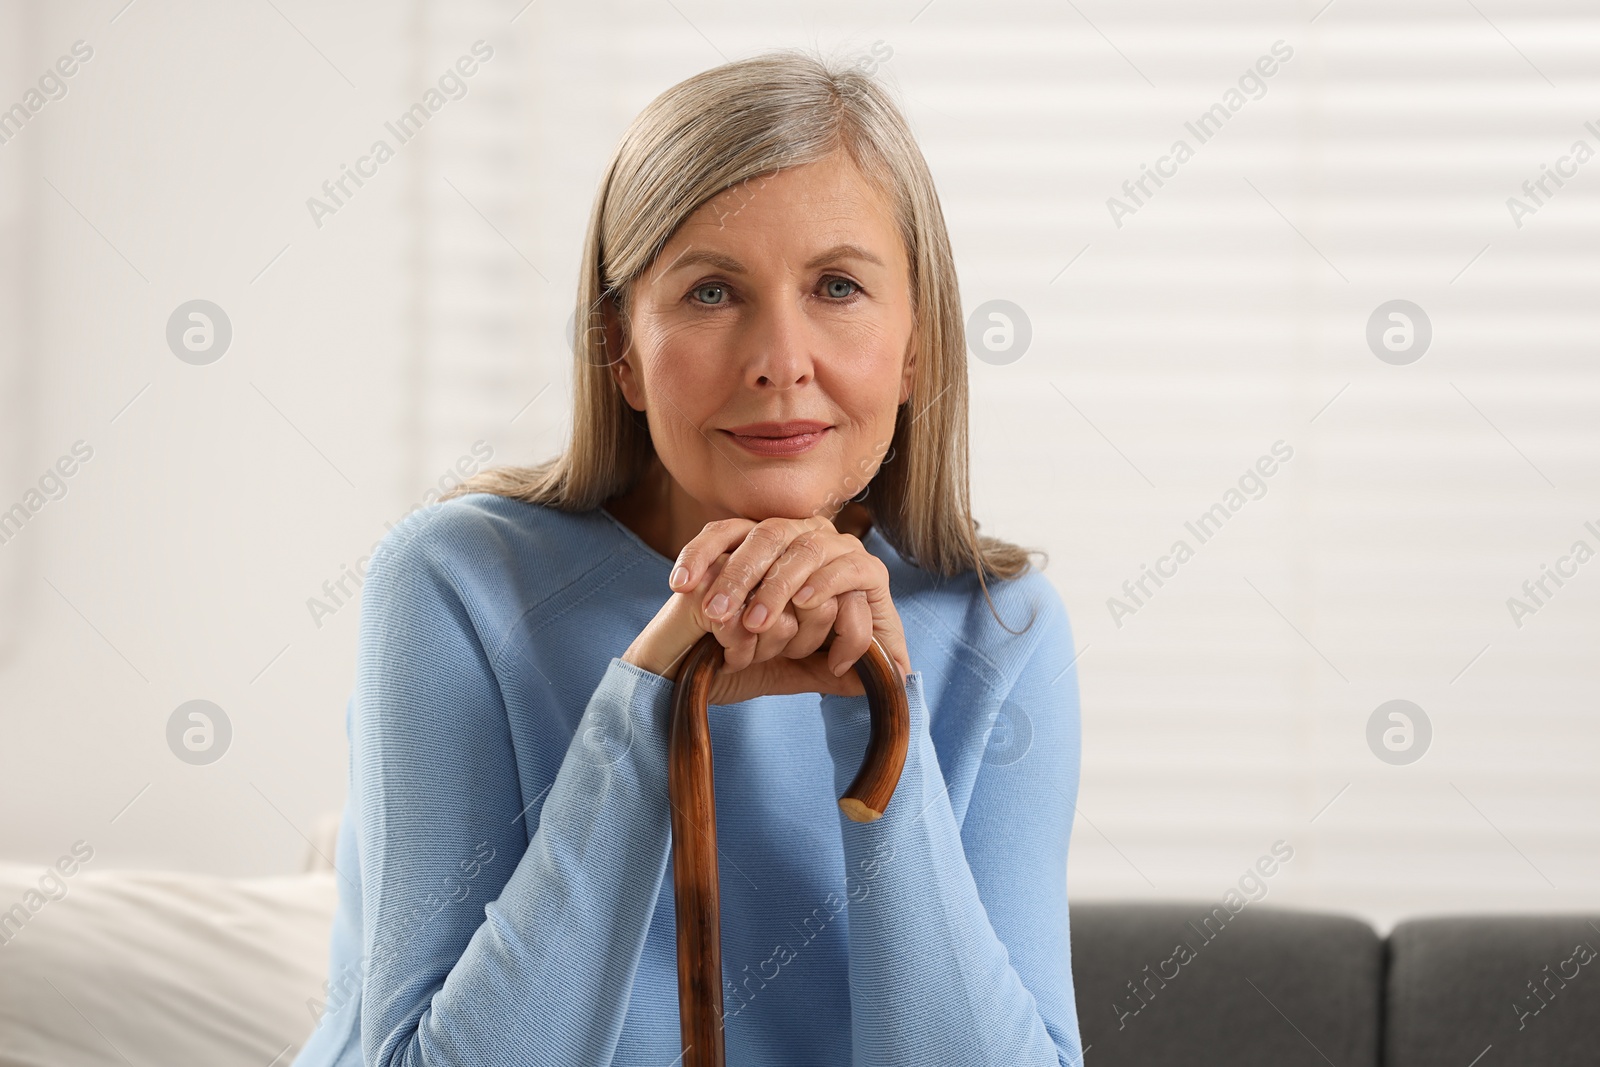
(1371, 270)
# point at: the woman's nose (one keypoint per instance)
(781, 346)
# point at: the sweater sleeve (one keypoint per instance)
(959, 947)
(481, 945)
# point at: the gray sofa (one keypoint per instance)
(1177, 984)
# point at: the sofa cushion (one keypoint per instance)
(1162, 984)
(159, 967)
(1494, 990)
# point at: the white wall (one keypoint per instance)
(1226, 313)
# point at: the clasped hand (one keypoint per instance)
(793, 602)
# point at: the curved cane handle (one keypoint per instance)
(694, 823)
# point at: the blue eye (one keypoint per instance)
(712, 287)
(842, 281)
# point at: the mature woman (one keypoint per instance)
(768, 444)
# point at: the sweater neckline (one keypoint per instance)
(634, 539)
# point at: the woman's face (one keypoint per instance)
(785, 299)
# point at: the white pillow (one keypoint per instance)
(160, 967)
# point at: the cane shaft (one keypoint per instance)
(690, 788)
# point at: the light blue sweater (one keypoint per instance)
(504, 858)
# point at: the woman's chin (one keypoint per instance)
(759, 508)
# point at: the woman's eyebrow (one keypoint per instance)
(695, 256)
(844, 251)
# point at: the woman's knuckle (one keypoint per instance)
(813, 546)
(740, 573)
(768, 532)
(780, 569)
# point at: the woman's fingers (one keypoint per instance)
(807, 551)
(854, 630)
(695, 558)
(777, 637)
(761, 547)
(814, 627)
(791, 586)
(746, 648)
(865, 574)
(740, 647)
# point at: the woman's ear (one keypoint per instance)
(621, 368)
(909, 376)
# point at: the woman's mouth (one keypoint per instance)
(779, 439)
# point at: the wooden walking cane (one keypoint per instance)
(694, 823)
